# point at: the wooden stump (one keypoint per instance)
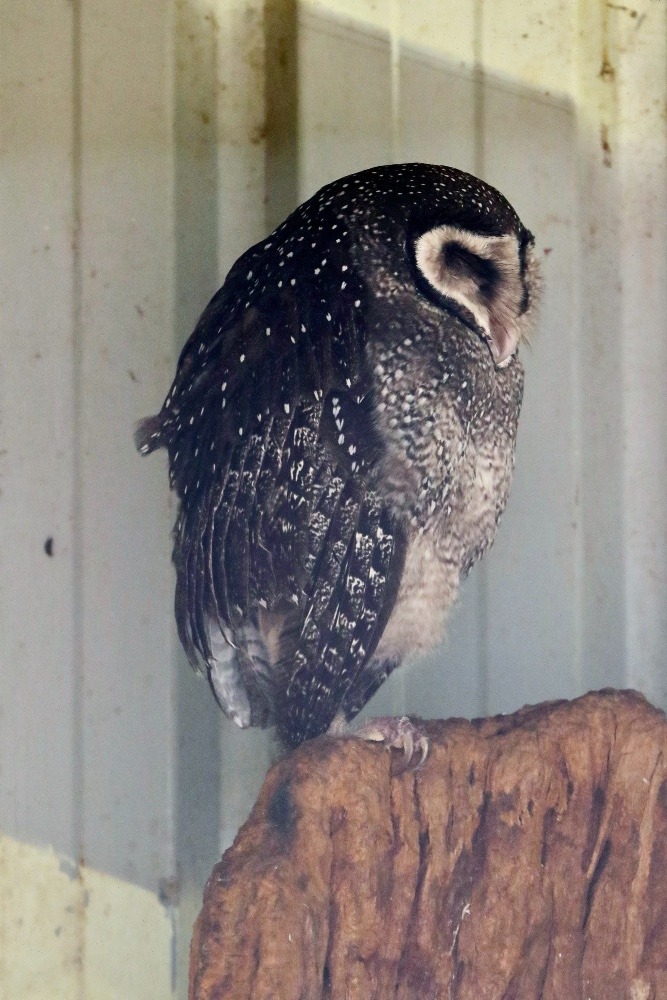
(527, 858)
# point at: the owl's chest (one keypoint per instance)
(448, 420)
(485, 484)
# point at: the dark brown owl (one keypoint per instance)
(341, 435)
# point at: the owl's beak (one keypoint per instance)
(503, 344)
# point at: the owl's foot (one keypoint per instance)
(397, 733)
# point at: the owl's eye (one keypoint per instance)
(463, 266)
(462, 263)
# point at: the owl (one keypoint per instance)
(341, 433)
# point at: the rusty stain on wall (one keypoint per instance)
(219, 110)
(607, 71)
(627, 10)
(604, 143)
(281, 102)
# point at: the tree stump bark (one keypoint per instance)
(527, 858)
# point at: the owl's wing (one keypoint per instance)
(352, 594)
(271, 446)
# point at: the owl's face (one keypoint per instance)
(491, 281)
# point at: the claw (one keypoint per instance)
(396, 733)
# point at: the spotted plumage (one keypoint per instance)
(341, 435)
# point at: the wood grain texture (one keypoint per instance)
(527, 858)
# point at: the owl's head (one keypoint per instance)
(460, 241)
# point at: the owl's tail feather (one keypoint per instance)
(149, 434)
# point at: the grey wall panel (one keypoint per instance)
(125, 257)
(530, 152)
(38, 718)
(344, 101)
(642, 165)
(87, 686)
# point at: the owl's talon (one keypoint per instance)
(398, 733)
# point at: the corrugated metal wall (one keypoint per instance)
(144, 146)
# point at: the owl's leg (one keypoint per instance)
(396, 732)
